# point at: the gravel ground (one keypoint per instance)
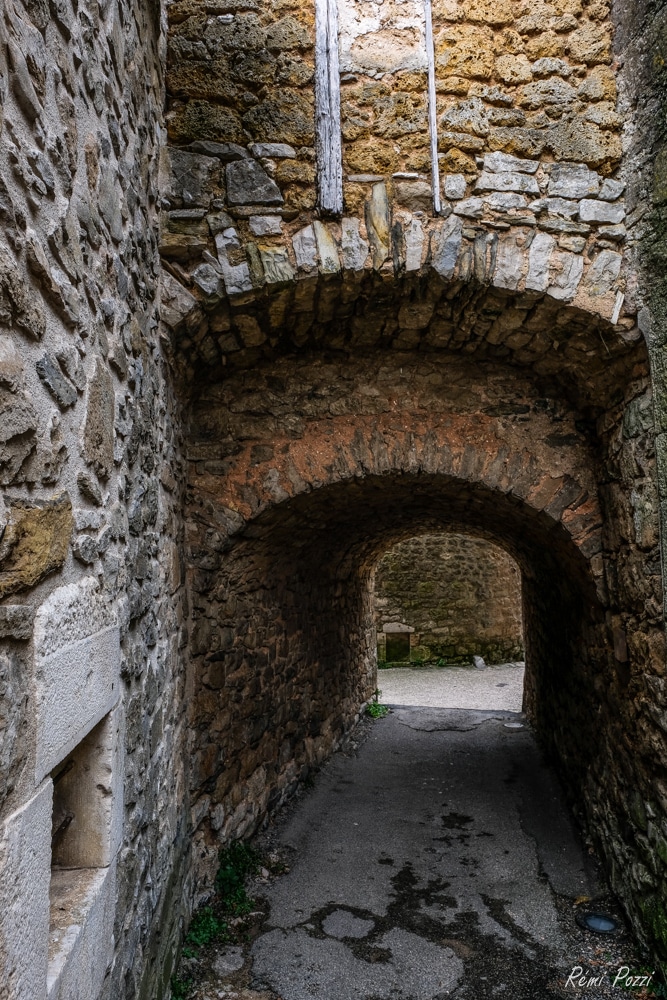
(498, 688)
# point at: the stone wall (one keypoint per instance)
(90, 506)
(462, 595)
(325, 388)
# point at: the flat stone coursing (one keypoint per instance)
(462, 595)
(512, 233)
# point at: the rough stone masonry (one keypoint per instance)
(220, 406)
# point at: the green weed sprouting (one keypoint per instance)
(237, 863)
(206, 926)
(375, 709)
(180, 988)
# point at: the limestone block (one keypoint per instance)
(573, 180)
(236, 276)
(249, 184)
(601, 211)
(273, 150)
(603, 273)
(539, 257)
(16, 621)
(488, 181)
(616, 233)
(98, 425)
(191, 176)
(25, 860)
(455, 186)
(305, 248)
(562, 207)
(208, 280)
(502, 163)
(378, 223)
(277, 267)
(414, 242)
(35, 542)
(327, 249)
(77, 669)
(354, 249)
(566, 272)
(81, 946)
(265, 225)
(472, 208)
(446, 246)
(611, 190)
(55, 381)
(176, 302)
(501, 201)
(509, 264)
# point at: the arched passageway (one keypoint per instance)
(528, 423)
(306, 465)
(299, 657)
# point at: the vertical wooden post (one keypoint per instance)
(432, 110)
(327, 109)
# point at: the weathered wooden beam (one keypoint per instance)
(327, 109)
(432, 110)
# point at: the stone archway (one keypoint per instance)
(286, 525)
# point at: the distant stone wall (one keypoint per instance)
(462, 596)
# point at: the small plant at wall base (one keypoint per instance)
(180, 988)
(237, 863)
(222, 920)
(205, 928)
(375, 709)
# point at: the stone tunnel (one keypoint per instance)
(281, 285)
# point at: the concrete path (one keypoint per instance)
(499, 687)
(434, 860)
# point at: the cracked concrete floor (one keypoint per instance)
(433, 859)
